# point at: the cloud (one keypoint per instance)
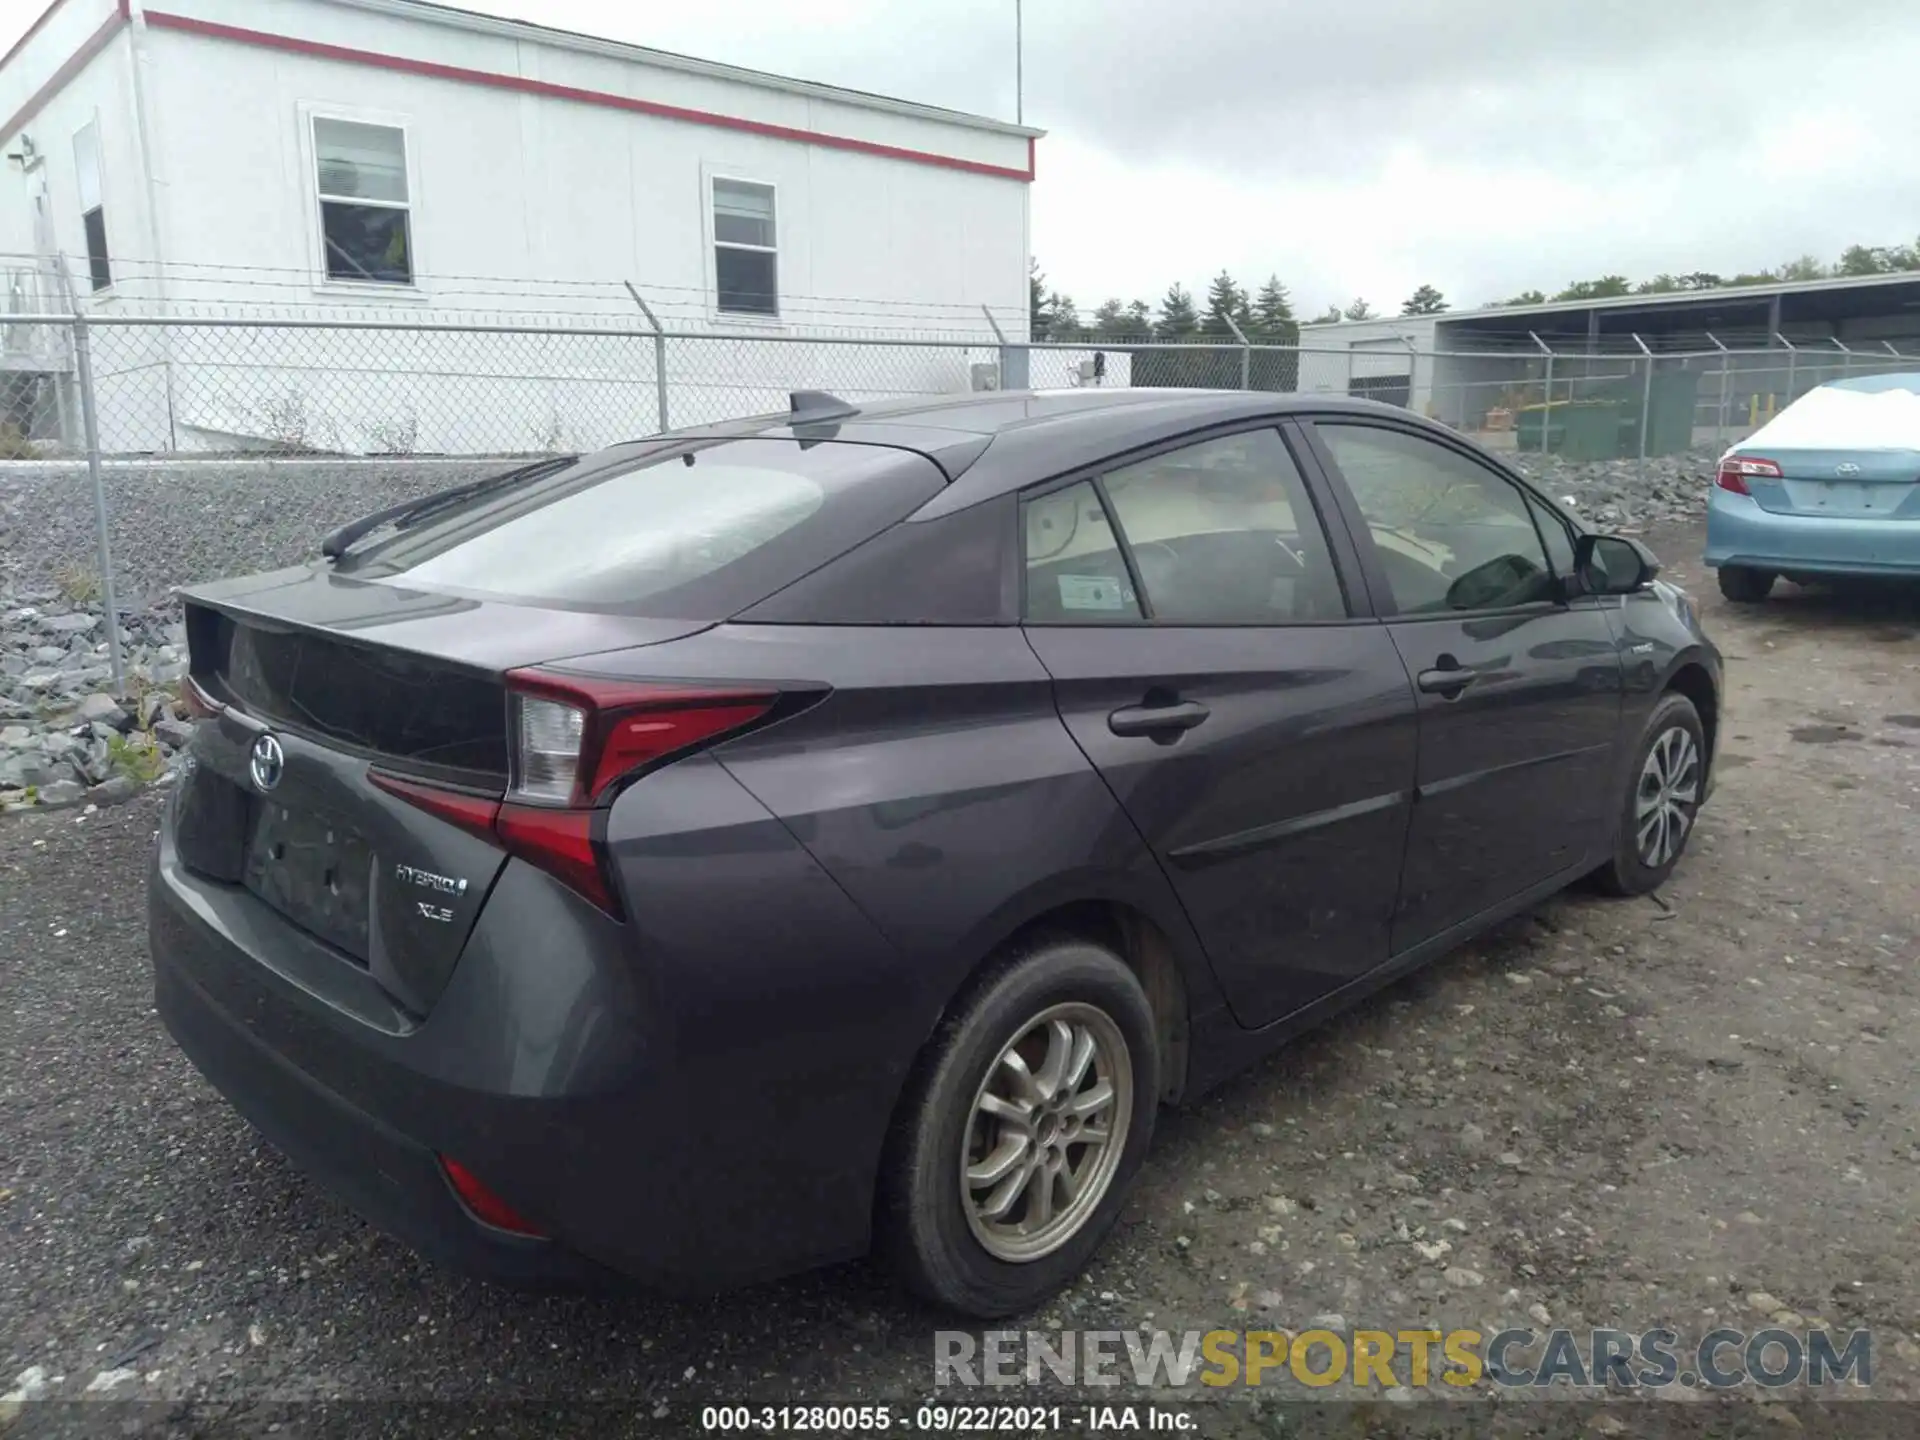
(1363, 147)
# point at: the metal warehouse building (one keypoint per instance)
(1741, 353)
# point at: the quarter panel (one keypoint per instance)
(939, 788)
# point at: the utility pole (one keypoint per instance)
(1019, 66)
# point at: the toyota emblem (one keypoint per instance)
(1845, 468)
(267, 762)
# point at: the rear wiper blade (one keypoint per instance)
(411, 511)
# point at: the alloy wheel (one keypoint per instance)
(1046, 1133)
(1668, 794)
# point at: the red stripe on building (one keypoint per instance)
(524, 86)
(76, 62)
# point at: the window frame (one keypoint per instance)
(311, 113)
(1340, 549)
(99, 207)
(1541, 506)
(1361, 534)
(710, 177)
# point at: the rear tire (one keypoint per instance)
(1662, 800)
(1076, 1025)
(1744, 585)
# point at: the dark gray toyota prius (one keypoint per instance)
(734, 850)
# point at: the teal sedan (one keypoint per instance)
(1829, 488)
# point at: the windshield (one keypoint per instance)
(697, 532)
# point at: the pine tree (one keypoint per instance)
(1110, 321)
(1226, 301)
(1036, 301)
(1139, 320)
(1063, 317)
(1424, 301)
(1178, 319)
(1331, 317)
(1359, 310)
(1273, 319)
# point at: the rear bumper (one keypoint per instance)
(1740, 532)
(392, 1182)
(690, 1126)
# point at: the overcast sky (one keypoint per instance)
(1483, 146)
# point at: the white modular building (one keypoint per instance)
(392, 161)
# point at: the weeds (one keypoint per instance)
(79, 584)
(138, 757)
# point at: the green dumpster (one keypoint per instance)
(1674, 396)
(1575, 429)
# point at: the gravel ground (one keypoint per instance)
(1690, 1111)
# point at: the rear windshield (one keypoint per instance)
(698, 532)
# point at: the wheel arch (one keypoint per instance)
(1692, 679)
(1154, 941)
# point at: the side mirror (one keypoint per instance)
(1613, 564)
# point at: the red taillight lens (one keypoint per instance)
(1735, 471)
(614, 727)
(484, 1204)
(574, 738)
(559, 842)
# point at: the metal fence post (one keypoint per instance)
(1246, 353)
(1846, 364)
(1014, 359)
(659, 354)
(90, 425)
(1646, 406)
(1546, 415)
(1720, 423)
(1793, 357)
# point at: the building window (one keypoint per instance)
(364, 209)
(93, 212)
(746, 262)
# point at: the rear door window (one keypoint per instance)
(1076, 574)
(699, 532)
(1223, 532)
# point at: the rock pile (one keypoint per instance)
(65, 739)
(1613, 494)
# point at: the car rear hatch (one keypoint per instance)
(1837, 484)
(316, 706)
(363, 769)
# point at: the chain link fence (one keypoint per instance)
(159, 434)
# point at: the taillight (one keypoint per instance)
(1736, 469)
(574, 739)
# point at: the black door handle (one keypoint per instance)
(1447, 680)
(1158, 721)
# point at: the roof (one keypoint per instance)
(1722, 296)
(1880, 384)
(995, 441)
(526, 31)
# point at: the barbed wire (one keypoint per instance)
(453, 283)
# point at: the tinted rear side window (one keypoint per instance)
(699, 533)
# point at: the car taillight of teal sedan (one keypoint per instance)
(1829, 488)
